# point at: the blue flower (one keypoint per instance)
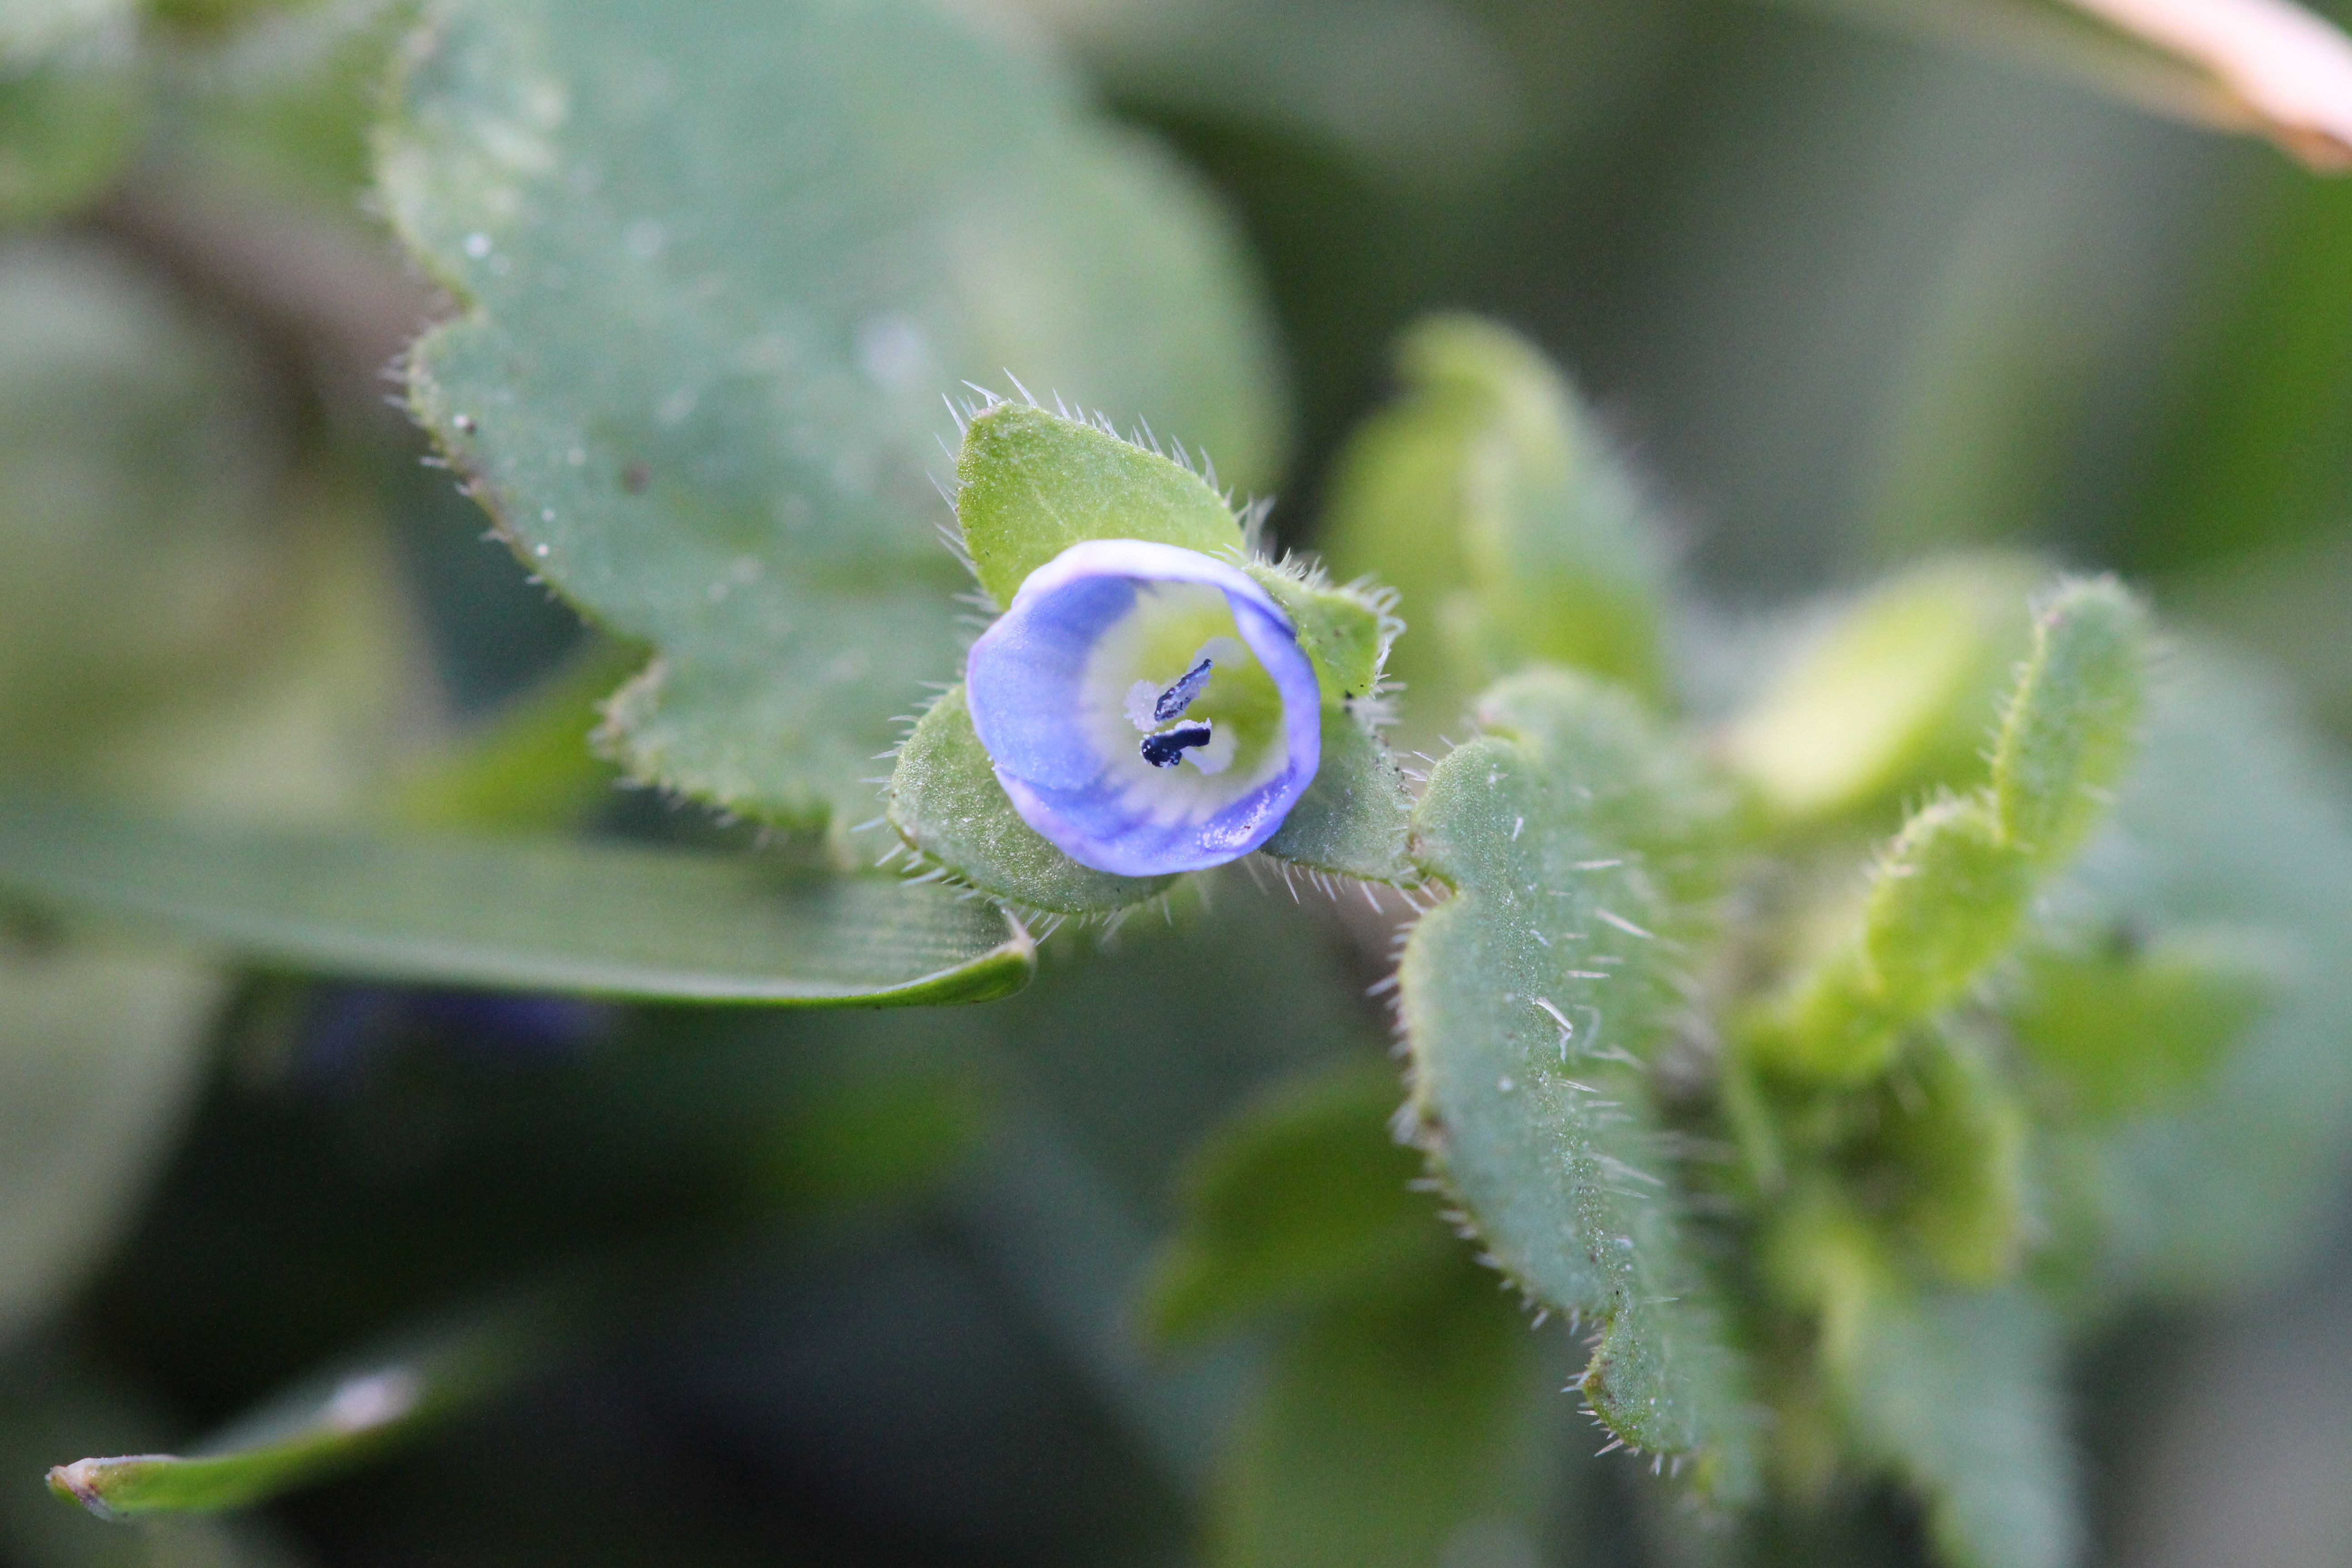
(1147, 708)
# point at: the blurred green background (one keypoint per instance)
(1846, 295)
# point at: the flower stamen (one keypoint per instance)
(1167, 749)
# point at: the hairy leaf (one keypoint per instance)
(2072, 724)
(794, 230)
(1951, 893)
(1580, 844)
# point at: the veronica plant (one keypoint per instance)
(1820, 1049)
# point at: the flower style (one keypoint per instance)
(1147, 708)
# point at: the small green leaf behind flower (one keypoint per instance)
(1488, 495)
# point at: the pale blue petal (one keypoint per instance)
(1025, 685)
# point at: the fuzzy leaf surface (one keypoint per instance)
(794, 231)
(1355, 819)
(1581, 845)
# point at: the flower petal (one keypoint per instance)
(1058, 691)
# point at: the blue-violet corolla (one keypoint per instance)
(1147, 708)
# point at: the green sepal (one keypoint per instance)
(1031, 483)
(1303, 1196)
(1356, 817)
(946, 803)
(1345, 633)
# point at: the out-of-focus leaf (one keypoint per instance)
(1398, 1429)
(1892, 694)
(1303, 1196)
(945, 802)
(137, 558)
(530, 766)
(795, 230)
(98, 1060)
(2254, 457)
(1409, 90)
(344, 1417)
(1951, 892)
(2126, 1024)
(531, 915)
(2264, 66)
(1954, 1133)
(2232, 828)
(1581, 844)
(1958, 1392)
(69, 102)
(1487, 496)
(56, 1398)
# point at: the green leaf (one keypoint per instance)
(2072, 725)
(1030, 484)
(2233, 833)
(1355, 819)
(1396, 1425)
(1303, 1195)
(2132, 1023)
(945, 802)
(794, 231)
(533, 915)
(1962, 1395)
(529, 766)
(1487, 495)
(1951, 893)
(1947, 898)
(1582, 845)
(1891, 694)
(1955, 1135)
(344, 1417)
